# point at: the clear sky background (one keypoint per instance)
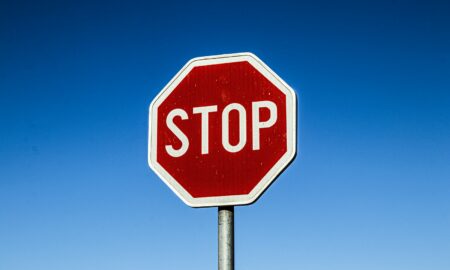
(369, 189)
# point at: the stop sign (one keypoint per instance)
(222, 130)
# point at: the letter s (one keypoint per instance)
(180, 135)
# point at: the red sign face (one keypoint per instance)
(222, 130)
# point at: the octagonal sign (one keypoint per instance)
(222, 130)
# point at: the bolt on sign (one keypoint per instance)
(222, 130)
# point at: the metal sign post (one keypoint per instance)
(226, 238)
(220, 132)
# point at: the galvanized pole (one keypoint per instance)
(226, 238)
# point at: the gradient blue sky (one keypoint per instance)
(370, 188)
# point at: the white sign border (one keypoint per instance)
(280, 165)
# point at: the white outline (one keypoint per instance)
(280, 165)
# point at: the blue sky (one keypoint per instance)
(369, 188)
